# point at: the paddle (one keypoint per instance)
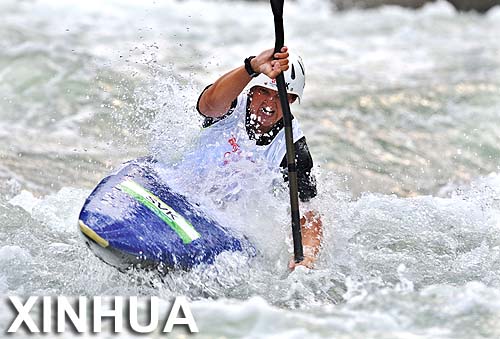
(277, 7)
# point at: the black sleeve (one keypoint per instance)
(209, 120)
(306, 180)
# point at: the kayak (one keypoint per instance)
(134, 219)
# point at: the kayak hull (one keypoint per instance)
(134, 219)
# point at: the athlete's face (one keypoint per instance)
(265, 107)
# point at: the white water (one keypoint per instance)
(397, 101)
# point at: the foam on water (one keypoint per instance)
(439, 240)
(395, 93)
(389, 266)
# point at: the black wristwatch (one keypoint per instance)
(248, 67)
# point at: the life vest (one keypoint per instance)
(227, 140)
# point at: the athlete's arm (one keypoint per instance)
(216, 100)
(311, 225)
(305, 179)
(312, 234)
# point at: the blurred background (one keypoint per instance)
(397, 100)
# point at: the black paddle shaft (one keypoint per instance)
(277, 7)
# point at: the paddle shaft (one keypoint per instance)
(277, 7)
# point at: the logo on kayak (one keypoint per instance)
(177, 222)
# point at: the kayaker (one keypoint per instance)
(247, 96)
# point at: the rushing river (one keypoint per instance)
(400, 111)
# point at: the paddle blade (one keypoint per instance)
(277, 7)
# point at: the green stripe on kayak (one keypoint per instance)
(177, 223)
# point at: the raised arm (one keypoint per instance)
(217, 99)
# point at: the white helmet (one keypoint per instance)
(295, 78)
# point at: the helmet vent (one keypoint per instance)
(293, 72)
(302, 68)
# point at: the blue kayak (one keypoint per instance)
(133, 219)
